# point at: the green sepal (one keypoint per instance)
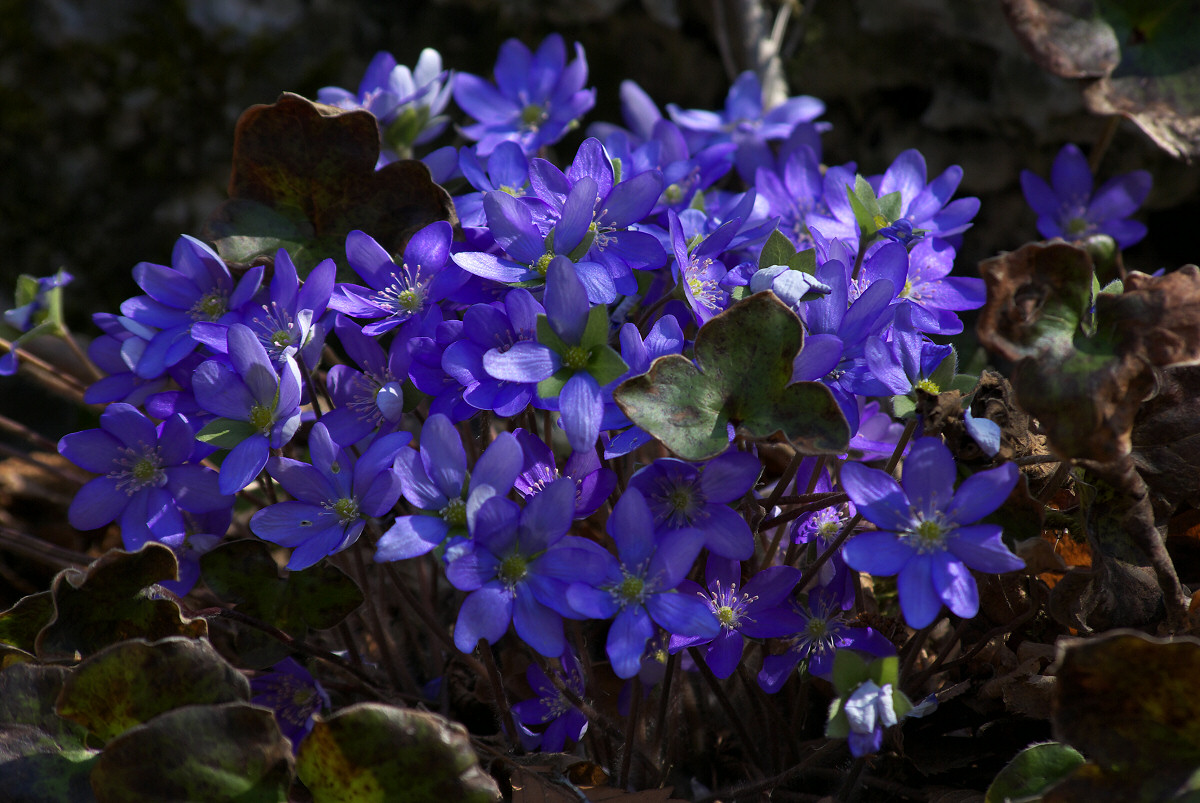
(606, 365)
(963, 383)
(551, 386)
(865, 206)
(903, 406)
(943, 375)
(837, 726)
(901, 705)
(579, 251)
(548, 337)
(885, 670)
(777, 250)
(849, 672)
(889, 206)
(225, 433)
(595, 331)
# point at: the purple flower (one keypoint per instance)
(908, 360)
(935, 297)
(551, 706)
(293, 694)
(399, 295)
(197, 287)
(1068, 208)
(507, 170)
(536, 97)
(519, 570)
(698, 269)
(493, 328)
(928, 206)
(751, 610)
(370, 401)
(665, 337)
(332, 498)
(39, 311)
(291, 321)
(593, 484)
(684, 495)
(926, 535)
(637, 588)
(821, 629)
(870, 710)
(259, 409)
(149, 476)
(744, 122)
(571, 359)
(435, 480)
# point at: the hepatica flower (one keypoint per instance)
(259, 409)
(536, 97)
(1068, 208)
(293, 694)
(551, 708)
(637, 588)
(926, 532)
(435, 480)
(332, 497)
(147, 476)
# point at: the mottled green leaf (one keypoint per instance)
(114, 599)
(1128, 702)
(372, 752)
(244, 573)
(304, 176)
(21, 623)
(214, 753)
(741, 377)
(42, 756)
(1033, 771)
(132, 681)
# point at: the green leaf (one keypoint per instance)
(741, 377)
(837, 724)
(551, 386)
(605, 364)
(777, 250)
(115, 598)
(215, 753)
(21, 623)
(903, 406)
(1032, 772)
(225, 433)
(374, 752)
(243, 572)
(42, 756)
(1127, 701)
(304, 176)
(133, 681)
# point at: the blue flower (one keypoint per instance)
(293, 694)
(681, 494)
(371, 401)
(332, 498)
(197, 287)
(39, 311)
(399, 295)
(259, 409)
(149, 475)
(536, 97)
(493, 328)
(637, 588)
(870, 710)
(551, 706)
(751, 610)
(1068, 208)
(519, 570)
(435, 480)
(926, 533)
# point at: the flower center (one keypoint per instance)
(576, 358)
(703, 290)
(139, 469)
(543, 263)
(404, 297)
(262, 418)
(727, 616)
(930, 535)
(454, 513)
(346, 510)
(513, 569)
(1077, 226)
(632, 589)
(929, 386)
(209, 307)
(532, 116)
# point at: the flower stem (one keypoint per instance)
(501, 699)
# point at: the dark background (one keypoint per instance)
(117, 116)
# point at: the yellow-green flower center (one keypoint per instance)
(513, 569)
(532, 115)
(1077, 225)
(209, 307)
(726, 616)
(262, 418)
(346, 510)
(454, 513)
(543, 263)
(631, 589)
(930, 535)
(929, 386)
(408, 300)
(576, 358)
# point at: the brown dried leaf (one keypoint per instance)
(1063, 37)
